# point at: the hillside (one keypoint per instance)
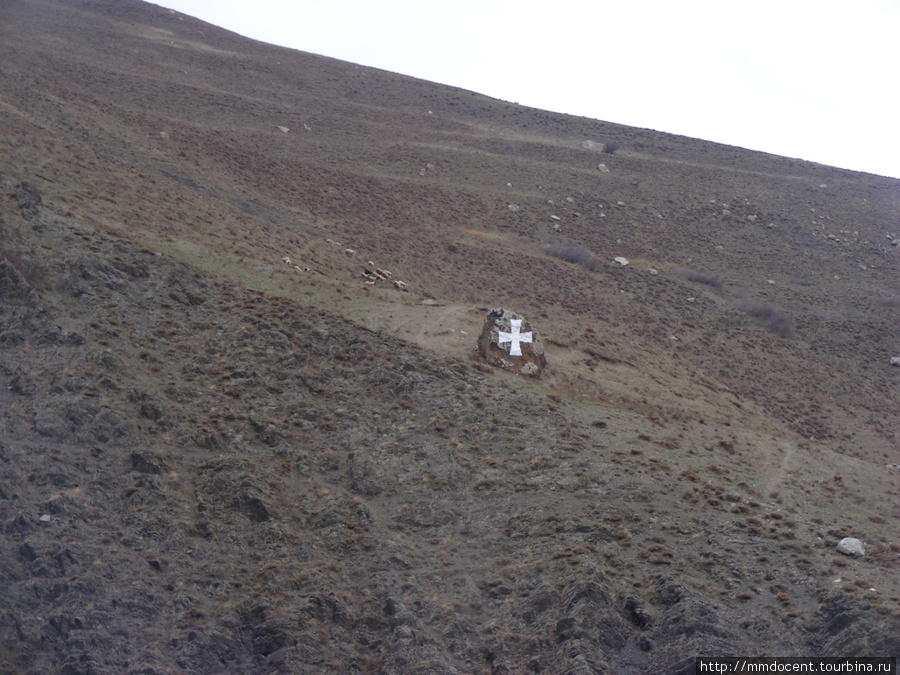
(216, 461)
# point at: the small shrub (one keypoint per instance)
(775, 320)
(889, 301)
(707, 278)
(453, 248)
(611, 147)
(572, 254)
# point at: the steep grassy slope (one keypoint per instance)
(215, 461)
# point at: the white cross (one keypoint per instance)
(515, 337)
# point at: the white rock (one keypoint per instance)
(513, 207)
(45, 518)
(622, 261)
(653, 272)
(283, 129)
(851, 546)
(895, 360)
(555, 218)
(603, 168)
(621, 203)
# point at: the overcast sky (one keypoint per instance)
(813, 79)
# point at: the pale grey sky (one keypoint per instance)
(813, 79)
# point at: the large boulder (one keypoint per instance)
(851, 546)
(509, 341)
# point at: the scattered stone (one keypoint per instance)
(622, 261)
(555, 218)
(513, 207)
(895, 360)
(45, 518)
(653, 272)
(509, 341)
(895, 242)
(603, 168)
(851, 546)
(283, 129)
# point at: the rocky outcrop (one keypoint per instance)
(509, 341)
(29, 200)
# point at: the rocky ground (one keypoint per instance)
(216, 461)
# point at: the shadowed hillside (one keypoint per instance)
(222, 451)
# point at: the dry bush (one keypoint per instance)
(775, 320)
(572, 254)
(707, 278)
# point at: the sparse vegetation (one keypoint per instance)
(774, 320)
(320, 477)
(707, 278)
(572, 254)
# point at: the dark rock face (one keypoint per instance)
(509, 341)
(29, 200)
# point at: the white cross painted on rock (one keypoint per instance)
(514, 337)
